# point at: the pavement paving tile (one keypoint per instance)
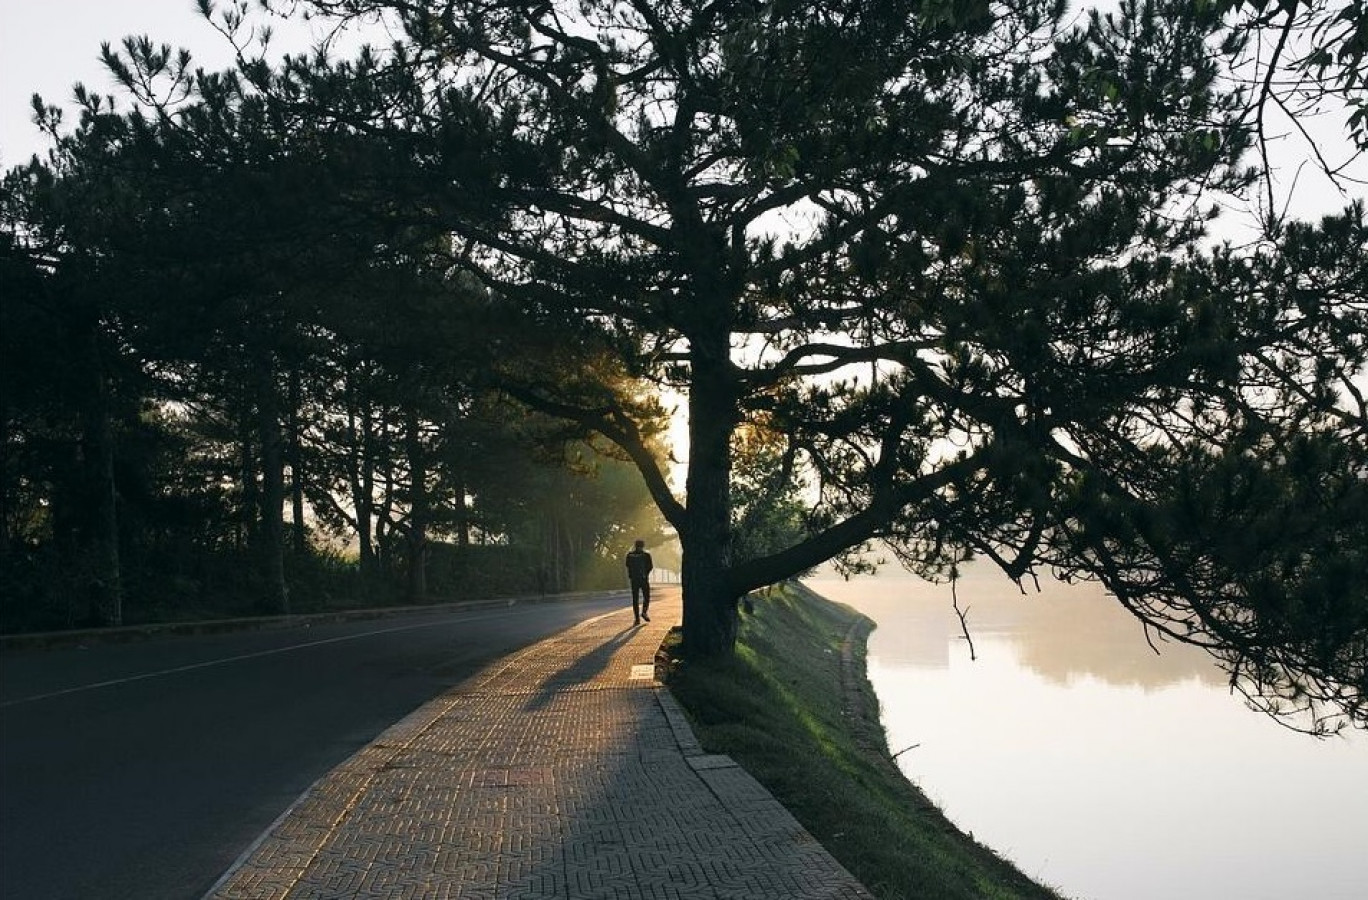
(560, 772)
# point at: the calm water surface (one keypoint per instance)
(1098, 767)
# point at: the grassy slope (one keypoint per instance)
(783, 709)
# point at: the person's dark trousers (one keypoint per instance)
(641, 600)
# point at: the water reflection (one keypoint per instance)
(1097, 765)
(1063, 633)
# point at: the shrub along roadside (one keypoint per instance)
(807, 727)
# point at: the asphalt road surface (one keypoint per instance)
(143, 770)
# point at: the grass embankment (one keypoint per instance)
(808, 728)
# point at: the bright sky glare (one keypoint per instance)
(48, 45)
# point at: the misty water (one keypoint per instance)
(1096, 766)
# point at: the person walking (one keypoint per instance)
(638, 575)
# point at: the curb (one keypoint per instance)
(46, 640)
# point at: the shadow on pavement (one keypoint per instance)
(592, 788)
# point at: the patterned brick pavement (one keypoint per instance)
(562, 772)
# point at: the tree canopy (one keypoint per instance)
(203, 338)
(945, 254)
(943, 265)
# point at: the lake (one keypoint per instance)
(1096, 766)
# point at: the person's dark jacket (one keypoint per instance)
(638, 565)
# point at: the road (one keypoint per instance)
(143, 770)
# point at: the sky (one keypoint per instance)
(47, 45)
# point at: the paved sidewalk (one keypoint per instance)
(562, 772)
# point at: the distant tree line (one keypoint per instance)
(225, 390)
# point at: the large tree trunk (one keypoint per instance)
(365, 512)
(361, 480)
(102, 540)
(384, 516)
(271, 536)
(418, 510)
(299, 532)
(550, 574)
(248, 518)
(8, 500)
(462, 523)
(710, 604)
